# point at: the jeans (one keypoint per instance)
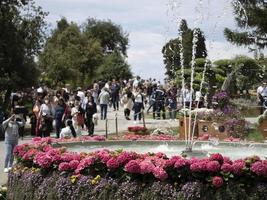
(9, 154)
(103, 108)
(160, 107)
(173, 113)
(90, 125)
(137, 110)
(115, 101)
(58, 126)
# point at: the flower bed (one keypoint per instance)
(161, 137)
(140, 130)
(44, 172)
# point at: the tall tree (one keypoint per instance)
(250, 15)
(76, 55)
(111, 36)
(22, 31)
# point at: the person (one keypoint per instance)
(138, 104)
(11, 128)
(261, 96)
(68, 130)
(35, 122)
(159, 101)
(21, 111)
(2, 116)
(104, 101)
(187, 96)
(59, 115)
(128, 104)
(172, 105)
(89, 112)
(45, 118)
(199, 100)
(115, 94)
(77, 116)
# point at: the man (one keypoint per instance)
(104, 101)
(262, 95)
(159, 100)
(115, 94)
(11, 129)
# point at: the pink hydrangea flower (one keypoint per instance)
(259, 168)
(113, 163)
(199, 166)
(64, 166)
(238, 166)
(146, 167)
(217, 157)
(217, 181)
(180, 163)
(132, 167)
(74, 164)
(160, 173)
(226, 168)
(227, 160)
(213, 166)
(84, 163)
(125, 157)
(43, 160)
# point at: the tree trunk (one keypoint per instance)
(6, 103)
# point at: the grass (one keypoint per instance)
(255, 135)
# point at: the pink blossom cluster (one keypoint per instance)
(137, 129)
(164, 137)
(260, 168)
(49, 140)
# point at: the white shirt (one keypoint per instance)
(81, 95)
(198, 96)
(262, 91)
(187, 95)
(65, 132)
(45, 109)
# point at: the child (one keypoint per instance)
(68, 130)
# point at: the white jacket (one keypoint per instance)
(127, 102)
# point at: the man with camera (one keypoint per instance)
(262, 96)
(11, 128)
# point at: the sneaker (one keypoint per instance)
(135, 122)
(9, 168)
(6, 170)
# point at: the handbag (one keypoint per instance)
(80, 119)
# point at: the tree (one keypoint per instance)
(74, 55)
(114, 66)
(21, 38)
(171, 50)
(251, 14)
(111, 36)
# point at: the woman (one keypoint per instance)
(138, 104)
(35, 123)
(11, 128)
(90, 110)
(127, 103)
(45, 118)
(77, 117)
(68, 130)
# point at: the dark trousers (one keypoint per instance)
(127, 112)
(103, 108)
(160, 107)
(21, 131)
(115, 101)
(137, 110)
(90, 125)
(58, 126)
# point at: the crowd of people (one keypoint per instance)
(68, 112)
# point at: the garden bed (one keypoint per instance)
(46, 172)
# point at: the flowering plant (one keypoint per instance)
(215, 169)
(221, 99)
(138, 130)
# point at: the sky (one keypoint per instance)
(152, 23)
